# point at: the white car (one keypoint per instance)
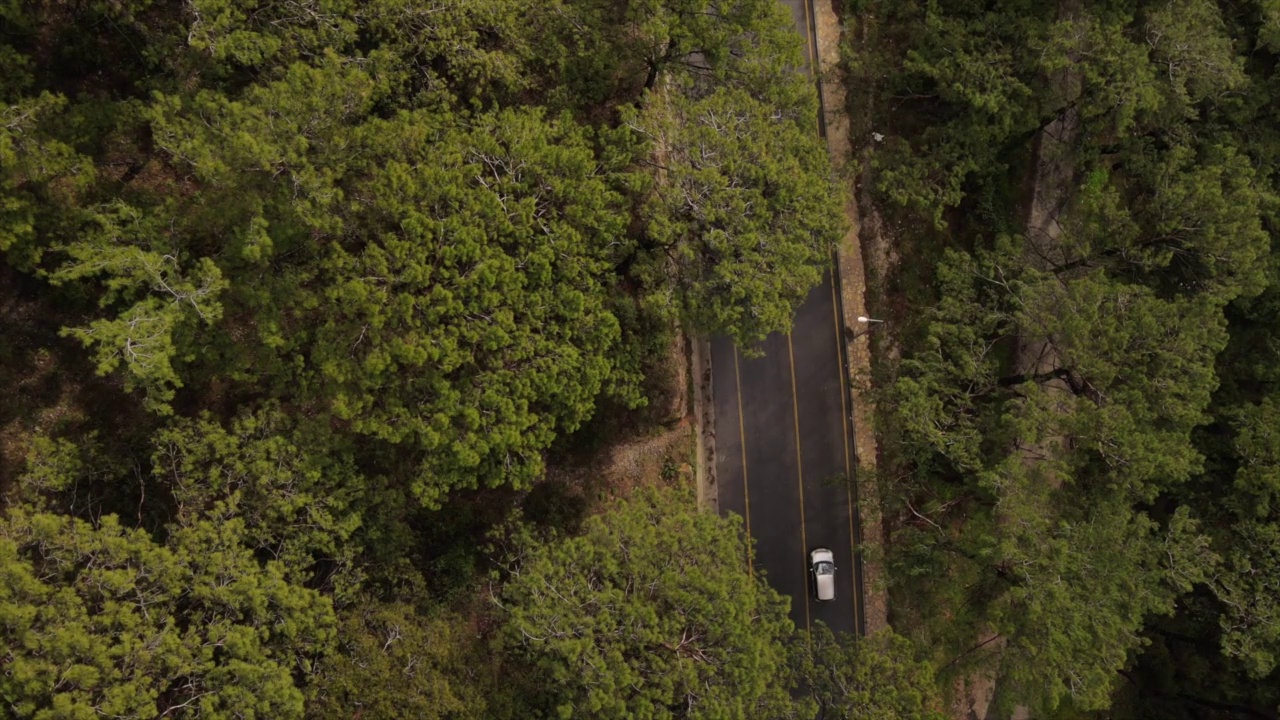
(823, 568)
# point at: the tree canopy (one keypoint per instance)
(871, 678)
(1084, 198)
(302, 299)
(415, 223)
(647, 614)
(104, 620)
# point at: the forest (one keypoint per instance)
(1079, 404)
(302, 302)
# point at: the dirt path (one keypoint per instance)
(1051, 180)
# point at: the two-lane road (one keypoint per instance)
(784, 445)
(783, 449)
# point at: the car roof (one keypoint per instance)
(826, 586)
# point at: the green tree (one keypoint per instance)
(297, 506)
(1248, 533)
(963, 67)
(647, 614)
(36, 172)
(328, 208)
(433, 284)
(744, 214)
(864, 678)
(1078, 591)
(1183, 219)
(1140, 373)
(1060, 398)
(617, 50)
(1192, 48)
(292, 485)
(1042, 472)
(1218, 653)
(476, 329)
(393, 662)
(103, 620)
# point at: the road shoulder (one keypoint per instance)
(852, 276)
(704, 420)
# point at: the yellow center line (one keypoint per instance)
(742, 443)
(848, 467)
(795, 414)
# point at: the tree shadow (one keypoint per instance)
(48, 384)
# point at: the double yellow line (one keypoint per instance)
(742, 436)
(810, 34)
(795, 414)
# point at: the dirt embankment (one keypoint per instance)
(853, 301)
(655, 446)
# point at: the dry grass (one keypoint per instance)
(660, 457)
(654, 447)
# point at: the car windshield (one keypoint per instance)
(825, 568)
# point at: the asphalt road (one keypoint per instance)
(783, 449)
(784, 446)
